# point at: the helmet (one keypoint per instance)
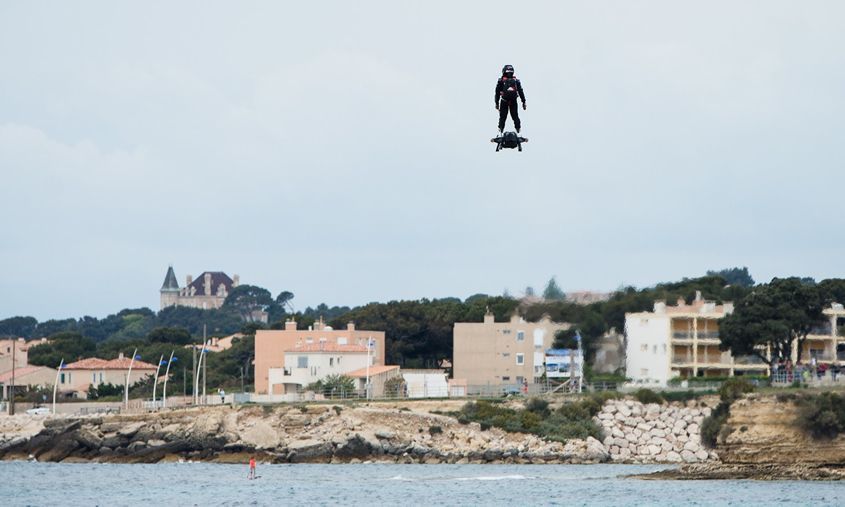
(507, 70)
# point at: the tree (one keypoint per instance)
(248, 299)
(68, 346)
(734, 276)
(175, 335)
(553, 292)
(775, 315)
(18, 327)
(335, 385)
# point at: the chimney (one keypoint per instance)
(697, 296)
(290, 325)
(236, 280)
(489, 318)
(350, 326)
(189, 280)
(206, 284)
(120, 355)
(660, 307)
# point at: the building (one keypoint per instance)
(497, 353)
(681, 341)
(587, 297)
(272, 345)
(378, 375)
(21, 352)
(825, 344)
(426, 383)
(207, 292)
(309, 362)
(26, 378)
(75, 378)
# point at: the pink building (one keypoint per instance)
(270, 347)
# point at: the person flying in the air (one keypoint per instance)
(508, 88)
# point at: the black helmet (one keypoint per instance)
(507, 70)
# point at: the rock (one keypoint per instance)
(702, 455)
(307, 450)
(616, 432)
(693, 429)
(657, 433)
(88, 438)
(129, 430)
(644, 427)
(595, 451)
(624, 411)
(673, 457)
(688, 456)
(385, 434)
(691, 446)
(653, 450)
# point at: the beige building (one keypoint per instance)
(26, 378)
(496, 353)
(271, 345)
(77, 377)
(21, 352)
(826, 344)
(681, 341)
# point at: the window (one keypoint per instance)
(341, 340)
(506, 379)
(654, 349)
(506, 331)
(506, 354)
(302, 361)
(520, 359)
(644, 372)
(331, 361)
(309, 340)
(63, 378)
(93, 378)
(520, 336)
(101, 377)
(644, 347)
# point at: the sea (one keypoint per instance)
(51, 484)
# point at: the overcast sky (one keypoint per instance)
(340, 150)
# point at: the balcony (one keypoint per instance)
(749, 360)
(681, 335)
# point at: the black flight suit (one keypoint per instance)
(507, 90)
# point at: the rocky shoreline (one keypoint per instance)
(758, 472)
(285, 434)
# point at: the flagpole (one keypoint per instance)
(155, 382)
(367, 384)
(166, 374)
(126, 387)
(56, 383)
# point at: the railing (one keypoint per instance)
(709, 335)
(682, 335)
(748, 360)
(678, 360)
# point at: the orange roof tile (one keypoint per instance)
(374, 370)
(95, 363)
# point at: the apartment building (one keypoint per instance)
(681, 341)
(497, 353)
(825, 344)
(271, 347)
(308, 363)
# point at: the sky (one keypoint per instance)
(340, 150)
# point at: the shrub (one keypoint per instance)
(337, 409)
(485, 426)
(646, 396)
(684, 395)
(434, 430)
(538, 406)
(822, 415)
(712, 424)
(733, 389)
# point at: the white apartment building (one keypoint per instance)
(309, 363)
(681, 341)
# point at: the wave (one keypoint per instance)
(516, 477)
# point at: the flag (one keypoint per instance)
(163, 362)
(138, 357)
(371, 343)
(175, 358)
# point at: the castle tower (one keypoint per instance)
(169, 289)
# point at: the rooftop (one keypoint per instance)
(373, 370)
(95, 363)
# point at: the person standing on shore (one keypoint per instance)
(251, 474)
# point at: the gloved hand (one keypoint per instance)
(497, 106)
(524, 107)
